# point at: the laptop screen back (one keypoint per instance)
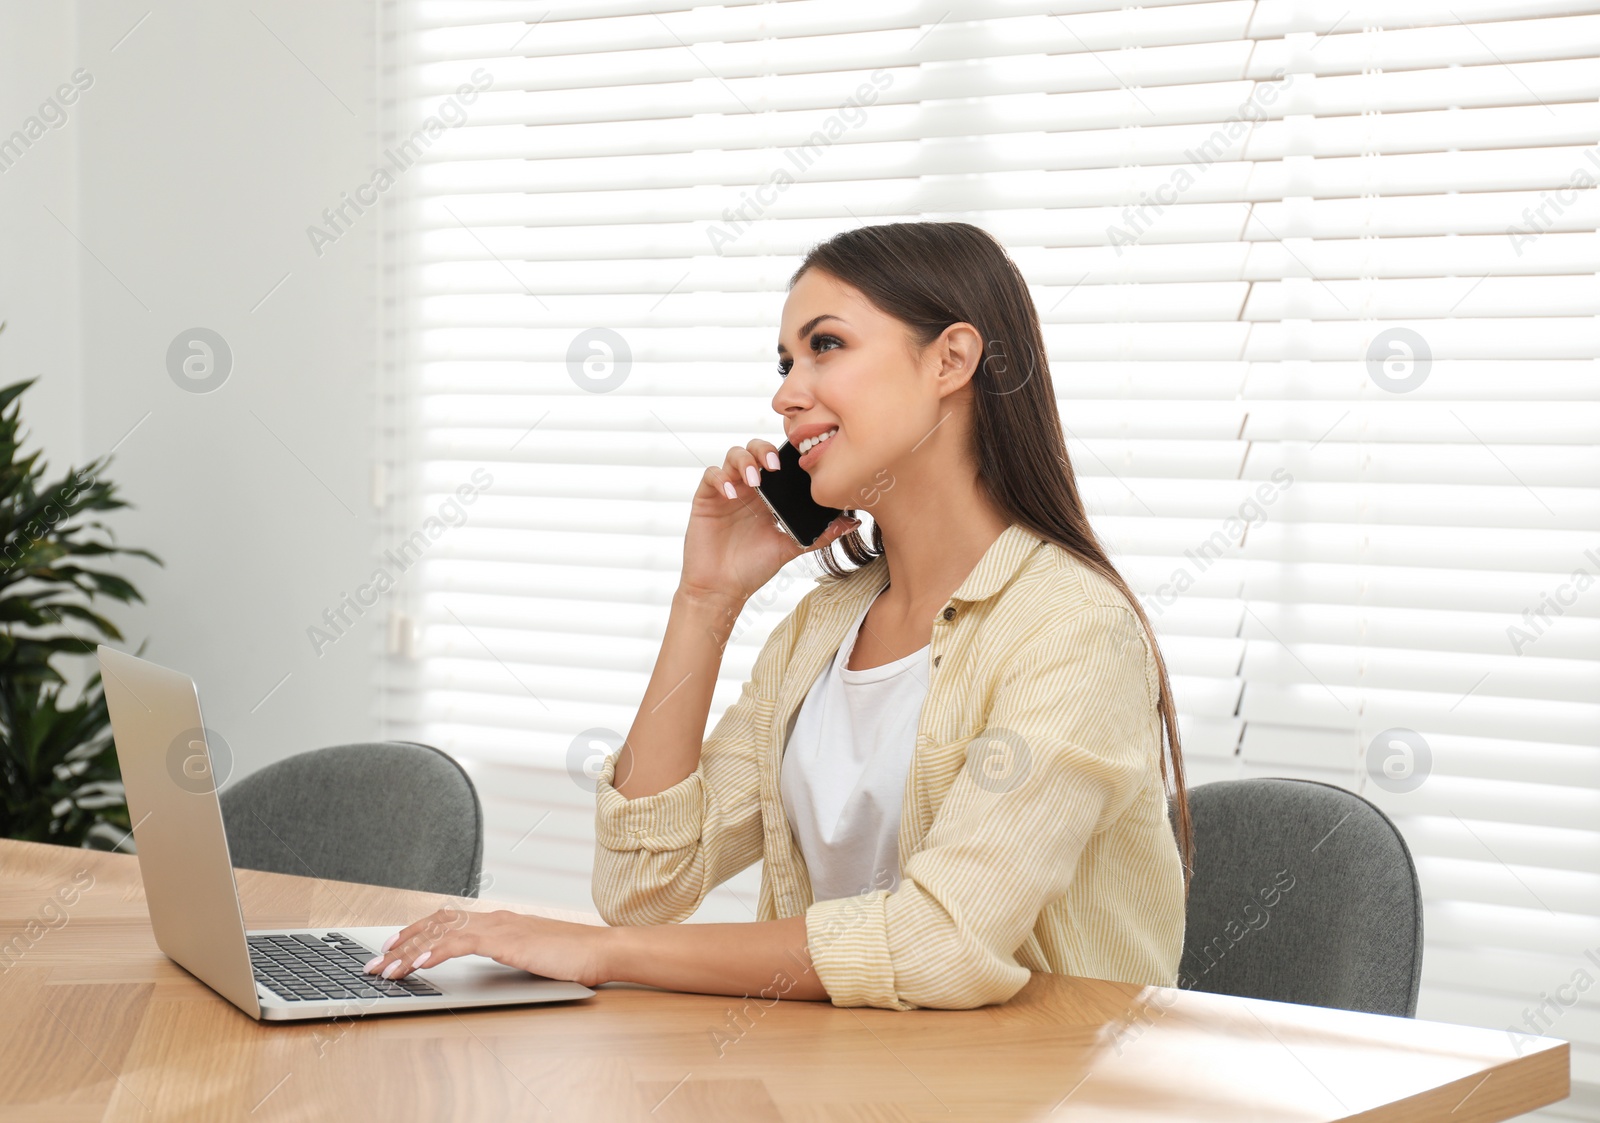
(177, 824)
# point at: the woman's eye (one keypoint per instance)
(817, 342)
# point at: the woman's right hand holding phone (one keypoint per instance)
(733, 545)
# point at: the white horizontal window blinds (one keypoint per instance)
(1319, 289)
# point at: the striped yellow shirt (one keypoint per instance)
(1034, 833)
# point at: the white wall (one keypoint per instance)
(38, 268)
(208, 142)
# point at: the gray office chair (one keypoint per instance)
(1302, 892)
(393, 813)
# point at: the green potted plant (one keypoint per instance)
(59, 779)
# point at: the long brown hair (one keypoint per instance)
(931, 275)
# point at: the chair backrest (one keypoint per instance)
(391, 813)
(1302, 892)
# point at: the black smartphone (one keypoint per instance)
(787, 494)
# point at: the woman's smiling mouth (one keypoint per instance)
(811, 448)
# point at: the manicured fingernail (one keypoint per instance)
(772, 461)
(728, 487)
(750, 476)
(390, 942)
(371, 963)
(421, 959)
(388, 972)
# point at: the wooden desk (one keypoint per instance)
(96, 1024)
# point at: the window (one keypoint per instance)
(1319, 289)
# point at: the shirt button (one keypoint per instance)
(936, 659)
(949, 612)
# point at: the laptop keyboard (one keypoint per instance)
(303, 968)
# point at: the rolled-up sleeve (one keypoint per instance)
(1064, 750)
(657, 856)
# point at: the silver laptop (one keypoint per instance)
(270, 974)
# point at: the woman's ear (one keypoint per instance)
(959, 349)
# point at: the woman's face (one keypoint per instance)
(852, 369)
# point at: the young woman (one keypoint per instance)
(950, 756)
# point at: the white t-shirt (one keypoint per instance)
(844, 770)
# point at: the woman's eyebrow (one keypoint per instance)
(807, 326)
